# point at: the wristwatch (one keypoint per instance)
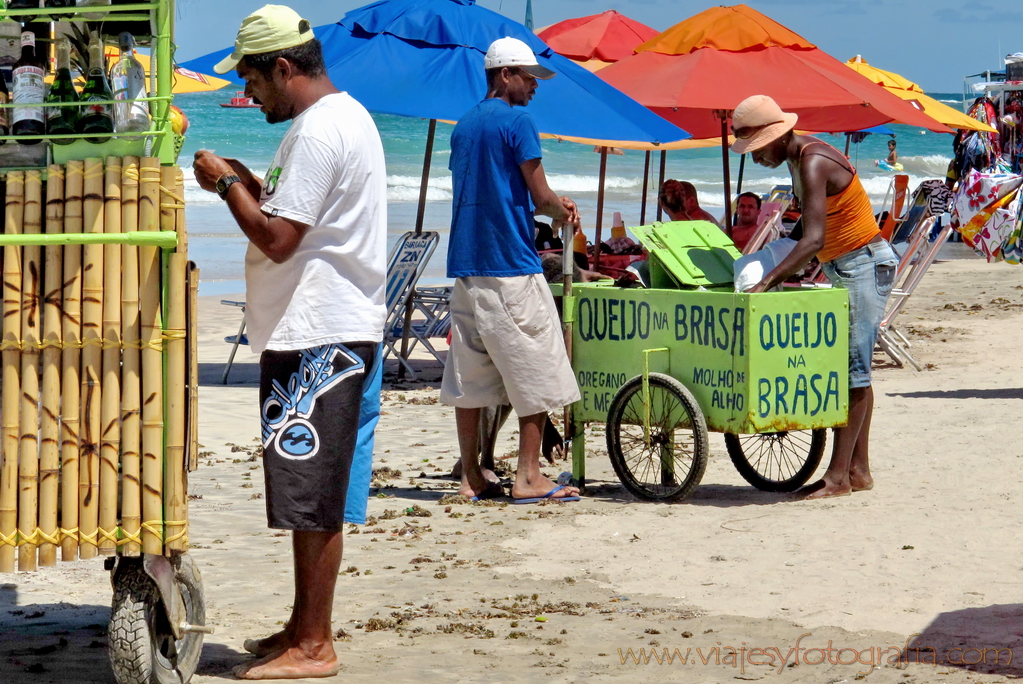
(225, 182)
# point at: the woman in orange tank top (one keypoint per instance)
(840, 230)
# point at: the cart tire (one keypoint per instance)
(676, 421)
(142, 648)
(777, 461)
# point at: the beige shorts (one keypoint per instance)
(506, 347)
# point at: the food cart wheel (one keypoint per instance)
(668, 465)
(143, 649)
(777, 461)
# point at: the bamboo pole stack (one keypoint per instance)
(152, 359)
(110, 408)
(28, 447)
(131, 393)
(97, 366)
(92, 363)
(10, 380)
(70, 424)
(49, 427)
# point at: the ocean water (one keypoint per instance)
(218, 246)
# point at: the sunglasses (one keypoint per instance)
(746, 132)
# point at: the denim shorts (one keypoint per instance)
(868, 273)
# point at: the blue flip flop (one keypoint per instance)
(548, 496)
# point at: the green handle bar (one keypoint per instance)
(165, 239)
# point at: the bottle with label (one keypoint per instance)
(29, 89)
(62, 120)
(5, 114)
(128, 80)
(579, 242)
(617, 226)
(22, 4)
(97, 117)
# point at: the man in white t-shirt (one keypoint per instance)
(315, 288)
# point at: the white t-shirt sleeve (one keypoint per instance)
(309, 175)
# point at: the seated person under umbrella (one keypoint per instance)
(747, 215)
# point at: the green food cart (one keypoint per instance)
(662, 366)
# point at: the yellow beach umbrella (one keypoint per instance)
(185, 81)
(911, 92)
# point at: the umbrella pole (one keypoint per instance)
(420, 214)
(600, 207)
(742, 168)
(724, 163)
(848, 137)
(646, 189)
(567, 314)
(660, 183)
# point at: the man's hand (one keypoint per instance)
(208, 168)
(573, 211)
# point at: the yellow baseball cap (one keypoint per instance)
(268, 29)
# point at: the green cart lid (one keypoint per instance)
(690, 253)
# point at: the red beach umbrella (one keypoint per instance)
(598, 39)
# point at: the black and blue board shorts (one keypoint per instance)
(310, 401)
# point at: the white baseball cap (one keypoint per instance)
(268, 29)
(512, 52)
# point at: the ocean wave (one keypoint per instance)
(569, 183)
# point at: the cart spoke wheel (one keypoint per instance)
(143, 649)
(777, 461)
(666, 463)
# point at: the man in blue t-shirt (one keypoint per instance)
(506, 342)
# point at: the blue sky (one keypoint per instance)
(933, 42)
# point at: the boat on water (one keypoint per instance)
(239, 101)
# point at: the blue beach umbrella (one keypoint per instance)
(424, 58)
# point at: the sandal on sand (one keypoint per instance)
(494, 490)
(548, 495)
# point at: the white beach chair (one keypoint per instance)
(913, 264)
(405, 266)
(432, 303)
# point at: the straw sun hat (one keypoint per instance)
(765, 121)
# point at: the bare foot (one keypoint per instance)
(861, 483)
(292, 663)
(472, 488)
(268, 645)
(822, 489)
(540, 487)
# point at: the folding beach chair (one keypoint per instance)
(770, 226)
(897, 189)
(405, 266)
(234, 340)
(432, 303)
(913, 264)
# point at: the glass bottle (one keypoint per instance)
(22, 4)
(96, 117)
(5, 114)
(93, 3)
(62, 120)
(29, 88)
(128, 81)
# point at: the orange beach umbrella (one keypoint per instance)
(697, 72)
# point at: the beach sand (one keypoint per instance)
(930, 557)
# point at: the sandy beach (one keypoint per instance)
(733, 578)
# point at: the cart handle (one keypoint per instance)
(165, 239)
